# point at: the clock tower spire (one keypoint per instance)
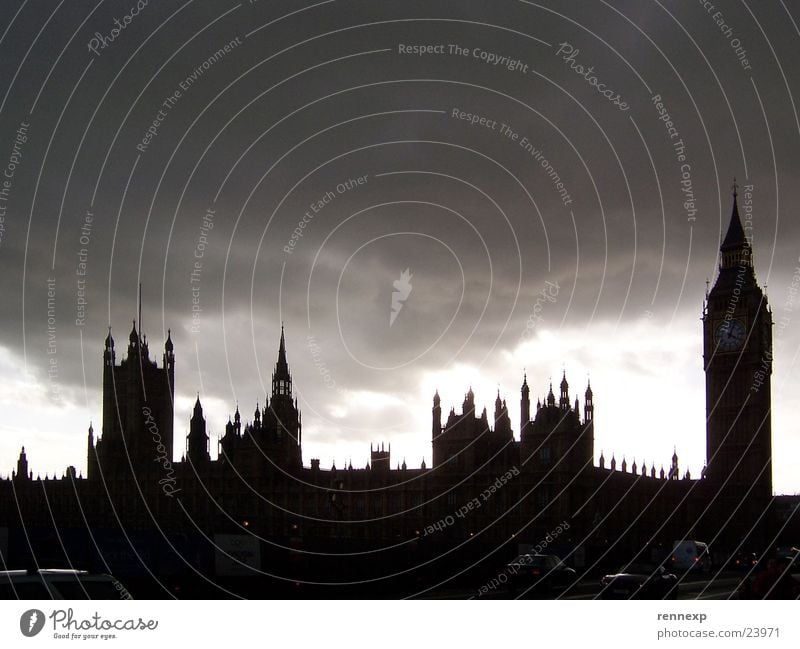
(737, 344)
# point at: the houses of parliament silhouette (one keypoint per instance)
(256, 512)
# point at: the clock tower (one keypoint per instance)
(737, 353)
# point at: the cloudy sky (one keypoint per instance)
(554, 177)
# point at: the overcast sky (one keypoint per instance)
(242, 116)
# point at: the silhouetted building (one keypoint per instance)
(138, 511)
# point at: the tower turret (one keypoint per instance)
(133, 339)
(551, 398)
(91, 455)
(563, 402)
(588, 403)
(197, 440)
(282, 421)
(436, 415)
(22, 466)
(525, 405)
(169, 358)
(469, 403)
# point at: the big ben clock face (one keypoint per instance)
(730, 335)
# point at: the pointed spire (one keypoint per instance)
(735, 249)
(735, 235)
(282, 349)
(109, 339)
(134, 337)
(168, 345)
(281, 378)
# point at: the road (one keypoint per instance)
(710, 586)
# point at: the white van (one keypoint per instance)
(690, 555)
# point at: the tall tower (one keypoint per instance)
(138, 399)
(737, 344)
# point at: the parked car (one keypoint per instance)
(539, 573)
(59, 584)
(743, 561)
(640, 581)
(789, 553)
(690, 555)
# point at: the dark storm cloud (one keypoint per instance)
(275, 134)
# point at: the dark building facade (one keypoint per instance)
(257, 512)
